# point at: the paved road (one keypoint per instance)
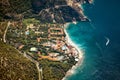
(39, 69)
(4, 36)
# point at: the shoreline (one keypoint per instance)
(71, 71)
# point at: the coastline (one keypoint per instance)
(74, 67)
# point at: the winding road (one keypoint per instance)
(4, 36)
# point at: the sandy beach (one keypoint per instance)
(69, 41)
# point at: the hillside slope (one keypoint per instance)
(13, 66)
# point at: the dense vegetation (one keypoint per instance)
(9, 8)
(19, 9)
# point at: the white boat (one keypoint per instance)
(74, 21)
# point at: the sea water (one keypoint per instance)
(101, 61)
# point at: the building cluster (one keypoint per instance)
(43, 41)
(76, 4)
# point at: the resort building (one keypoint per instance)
(33, 49)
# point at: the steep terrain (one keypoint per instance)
(44, 10)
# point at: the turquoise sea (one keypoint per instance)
(101, 61)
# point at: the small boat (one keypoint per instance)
(74, 21)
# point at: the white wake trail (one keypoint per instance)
(108, 41)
